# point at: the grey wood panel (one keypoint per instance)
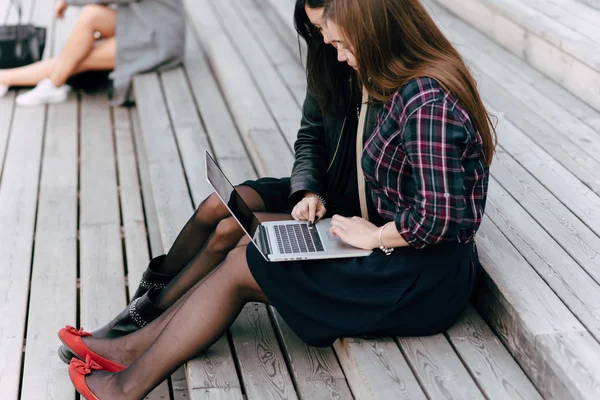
(169, 186)
(264, 371)
(576, 196)
(212, 375)
(520, 308)
(281, 17)
(316, 370)
(258, 130)
(166, 177)
(53, 298)
(273, 90)
(133, 224)
(438, 368)
(576, 238)
(19, 180)
(483, 51)
(376, 369)
(286, 64)
(224, 136)
(554, 265)
(18, 201)
(150, 214)
(102, 277)
(189, 132)
(497, 374)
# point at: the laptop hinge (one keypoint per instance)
(263, 240)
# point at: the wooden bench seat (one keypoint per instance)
(555, 36)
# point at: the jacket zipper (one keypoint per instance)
(342, 130)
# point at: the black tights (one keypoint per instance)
(187, 328)
(202, 244)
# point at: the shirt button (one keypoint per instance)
(446, 195)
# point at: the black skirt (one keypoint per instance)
(409, 293)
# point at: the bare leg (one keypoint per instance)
(198, 322)
(94, 18)
(88, 57)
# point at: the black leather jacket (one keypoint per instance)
(315, 149)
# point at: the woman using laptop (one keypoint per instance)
(323, 182)
(426, 168)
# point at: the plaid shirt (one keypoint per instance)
(424, 166)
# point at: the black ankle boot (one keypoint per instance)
(139, 313)
(151, 279)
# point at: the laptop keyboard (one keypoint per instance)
(298, 238)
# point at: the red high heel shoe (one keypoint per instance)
(72, 339)
(78, 370)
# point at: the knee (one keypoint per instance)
(211, 211)
(226, 236)
(90, 14)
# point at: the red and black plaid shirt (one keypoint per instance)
(425, 167)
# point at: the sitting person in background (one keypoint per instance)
(151, 36)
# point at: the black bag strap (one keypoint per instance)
(19, 7)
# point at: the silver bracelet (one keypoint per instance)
(386, 250)
(316, 196)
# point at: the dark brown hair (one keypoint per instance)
(395, 41)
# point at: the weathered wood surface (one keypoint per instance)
(488, 361)
(53, 291)
(19, 179)
(559, 52)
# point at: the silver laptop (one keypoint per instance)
(279, 240)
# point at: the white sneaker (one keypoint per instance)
(3, 90)
(44, 93)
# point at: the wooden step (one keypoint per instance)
(467, 362)
(558, 37)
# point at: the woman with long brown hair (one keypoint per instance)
(426, 171)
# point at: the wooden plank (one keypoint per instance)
(224, 136)
(592, 3)
(578, 198)
(190, 135)
(53, 299)
(19, 185)
(521, 308)
(213, 376)
(376, 369)
(285, 63)
(553, 263)
(438, 368)
(169, 187)
(272, 89)
(101, 253)
(257, 128)
(18, 201)
(579, 77)
(316, 370)
(263, 368)
(281, 18)
(571, 16)
(133, 225)
(150, 214)
(483, 52)
(576, 238)
(497, 374)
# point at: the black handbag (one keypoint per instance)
(21, 44)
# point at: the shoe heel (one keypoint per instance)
(65, 354)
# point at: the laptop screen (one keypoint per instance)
(231, 197)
